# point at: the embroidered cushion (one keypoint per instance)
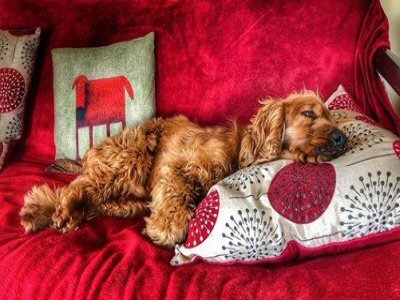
(17, 59)
(99, 91)
(284, 210)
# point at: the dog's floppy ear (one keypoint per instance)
(262, 141)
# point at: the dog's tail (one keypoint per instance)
(40, 205)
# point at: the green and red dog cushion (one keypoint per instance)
(98, 92)
(283, 210)
(17, 59)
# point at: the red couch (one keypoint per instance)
(214, 59)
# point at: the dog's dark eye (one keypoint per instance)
(309, 114)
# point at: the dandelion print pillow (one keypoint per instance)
(98, 92)
(17, 59)
(284, 210)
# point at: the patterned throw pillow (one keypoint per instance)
(99, 91)
(17, 59)
(284, 210)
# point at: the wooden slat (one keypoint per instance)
(388, 65)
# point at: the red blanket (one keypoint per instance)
(110, 259)
(214, 59)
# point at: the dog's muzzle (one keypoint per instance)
(336, 145)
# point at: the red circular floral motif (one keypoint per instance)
(396, 148)
(302, 192)
(203, 223)
(344, 102)
(12, 89)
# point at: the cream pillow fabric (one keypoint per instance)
(17, 60)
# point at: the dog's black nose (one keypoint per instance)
(339, 139)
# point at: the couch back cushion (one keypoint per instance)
(215, 59)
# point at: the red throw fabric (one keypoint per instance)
(369, 88)
(214, 59)
(110, 259)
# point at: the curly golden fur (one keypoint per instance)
(165, 166)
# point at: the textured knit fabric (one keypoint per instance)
(214, 59)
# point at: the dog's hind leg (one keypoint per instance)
(122, 208)
(85, 199)
(71, 209)
(61, 208)
(115, 171)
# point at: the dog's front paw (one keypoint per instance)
(316, 159)
(304, 157)
(168, 230)
(66, 220)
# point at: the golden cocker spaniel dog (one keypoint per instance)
(165, 166)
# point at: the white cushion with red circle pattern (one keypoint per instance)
(17, 58)
(283, 209)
